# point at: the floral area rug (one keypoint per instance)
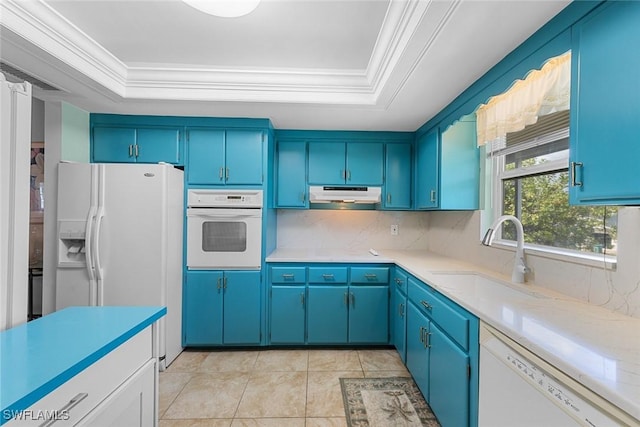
(385, 402)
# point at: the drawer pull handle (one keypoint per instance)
(288, 276)
(426, 305)
(370, 276)
(221, 173)
(327, 276)
(66, 408)
(432, 195)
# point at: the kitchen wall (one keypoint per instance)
(351, 230)
(457, 234)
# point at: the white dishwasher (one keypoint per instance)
(517, 388)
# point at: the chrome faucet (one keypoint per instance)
(519, 266)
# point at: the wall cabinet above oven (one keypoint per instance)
(136, 144)
(225, 156)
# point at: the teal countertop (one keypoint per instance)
(39, 356)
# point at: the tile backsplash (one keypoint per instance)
(351, 229)
(457, 235)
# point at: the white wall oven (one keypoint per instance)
(224, 229)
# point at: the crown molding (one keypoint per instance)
(40, 25)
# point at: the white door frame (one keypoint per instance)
(15, 148)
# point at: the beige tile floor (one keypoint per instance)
(266, 388)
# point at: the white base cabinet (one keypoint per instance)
(120, 389)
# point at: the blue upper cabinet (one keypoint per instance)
(605, 106)
(327, 163)
(345, 163)
(364, 163)
(291, 174)
(206, 156)
(448, 167)
(115, 144)
(244, 157)
(427, 170)
(224, 157)
(397, 182)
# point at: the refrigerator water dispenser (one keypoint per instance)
(71, 244)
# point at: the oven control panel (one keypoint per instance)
(205, 198)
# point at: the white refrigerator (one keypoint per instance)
(120, 240)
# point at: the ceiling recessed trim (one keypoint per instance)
(42, 26)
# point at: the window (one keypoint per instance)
(531, 182)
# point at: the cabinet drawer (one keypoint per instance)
(370, 275)
(433, 304)
(288, 275)
(399, 281)
(95, 383)
(328, 275)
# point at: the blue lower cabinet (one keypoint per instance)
(417, 350)
(327, 314)
(368, 314)
(442, 354)
(288, 314)
(448, 380)
(222, 307)
(203, 308)
(398, 320)
(328, 304)
(241, 307)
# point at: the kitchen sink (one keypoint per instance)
(482, 284)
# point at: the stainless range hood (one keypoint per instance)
(344, 194)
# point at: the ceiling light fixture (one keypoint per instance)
(224, 8)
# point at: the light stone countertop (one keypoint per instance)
(598, 348)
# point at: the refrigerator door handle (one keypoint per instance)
(88, 244)
(98, 265)
(97, 232)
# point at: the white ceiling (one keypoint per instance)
(304, 64)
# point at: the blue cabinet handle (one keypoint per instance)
(574, 168)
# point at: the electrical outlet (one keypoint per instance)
(394, 229)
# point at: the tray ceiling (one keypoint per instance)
(305, 64)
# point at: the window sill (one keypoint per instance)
(609, 262)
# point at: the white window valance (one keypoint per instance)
(542, 92)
